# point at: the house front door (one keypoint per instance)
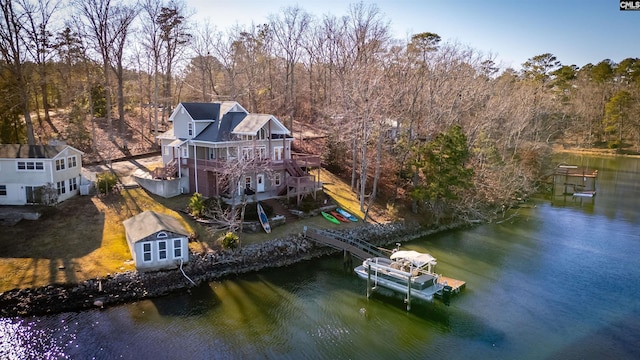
(260, 181)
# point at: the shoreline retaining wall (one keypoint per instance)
(132, 286)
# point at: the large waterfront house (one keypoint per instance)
(156, 241)
(220, 149)
(38, 174)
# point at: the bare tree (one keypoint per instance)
(12, 35)
(203, 44)
(174, 35)
(38, 17)
(289, 32)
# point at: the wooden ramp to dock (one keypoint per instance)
(358, 248)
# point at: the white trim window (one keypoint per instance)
(247, 153)
(62, 189)
(73, 184)
(60, 164)
(146, 252)
(190, 129)
(278, 152)
(72, 161)
(162, 249)
(30, 165)
(262, 134)
(177, 248)
(262, 152)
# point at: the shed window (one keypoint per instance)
(162, 250)
(146, 252)
(177, 248)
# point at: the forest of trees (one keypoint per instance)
(437, 124)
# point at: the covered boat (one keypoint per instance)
(408, 272)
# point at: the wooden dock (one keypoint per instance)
(456, 285)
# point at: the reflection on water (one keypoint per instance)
(557, 280)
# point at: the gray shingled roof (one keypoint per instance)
(20, 151)
(221, 131)
(203, 111)
(150, 222)
(251, 124)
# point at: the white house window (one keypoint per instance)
(60, 164)
(161, 235)
(246, 137)
(162, 250)
(247, 153)
(212, 153)
(276, 179)
(166, 150)
(61, 187)
(73, 184)
(262, 152)
(30, 165)
(71, 160)
(177, 248)
(3, 190)
(185, 152)
(190, 129)
(262, 134)
(146, 251)
(277, 153)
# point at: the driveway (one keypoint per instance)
(124, 169)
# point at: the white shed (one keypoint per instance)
(156, 241)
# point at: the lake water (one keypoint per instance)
(559, 280)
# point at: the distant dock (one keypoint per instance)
(575, 180)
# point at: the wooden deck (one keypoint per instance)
(456, 285)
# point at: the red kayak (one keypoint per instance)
(338, 216)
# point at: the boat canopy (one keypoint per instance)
(417, 259)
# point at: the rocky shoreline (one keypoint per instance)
(132, 286)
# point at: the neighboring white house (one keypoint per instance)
(35, 174)
(208, 139)
(156, 241)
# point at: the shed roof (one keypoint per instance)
(150, 222)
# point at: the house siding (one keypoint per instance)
(17, 180)
(209, 147)
(156, 264)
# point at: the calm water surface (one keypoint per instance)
(559, 280)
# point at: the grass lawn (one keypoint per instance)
(84, 237)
